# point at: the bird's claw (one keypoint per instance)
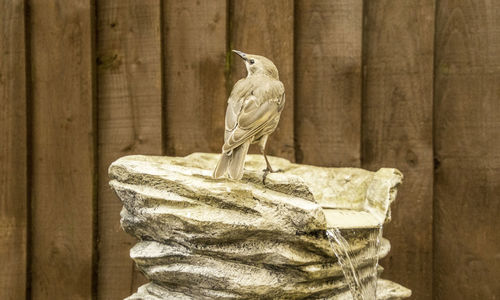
(267, 171)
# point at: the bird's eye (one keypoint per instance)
(252, 61)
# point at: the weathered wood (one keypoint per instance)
(13, 151)
(467, 143)
(266, 28)
(195, 59)
(63, 149)
(328, 82)
(397, 128)
(129, 109)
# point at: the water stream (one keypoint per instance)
(360, 269)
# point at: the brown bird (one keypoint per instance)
(253, 112)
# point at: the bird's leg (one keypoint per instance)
(268, 165)
(268, 169)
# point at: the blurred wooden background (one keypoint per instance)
(412, 84)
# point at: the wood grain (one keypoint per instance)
(130, 122)
(328, 82)
(63, 149)
(331, 118)
(266, 28)
(13, 151)
(195, 59)
(467, 143)
(397, 129)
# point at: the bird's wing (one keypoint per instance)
(256, 111)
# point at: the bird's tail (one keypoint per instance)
(222, 165)
(232, 163)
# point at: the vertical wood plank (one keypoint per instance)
(266, 28)
(13, 151)
(328, 82)
(63, 149)
(195, 59)
(397, 128)
(129, 109)
(467, 143)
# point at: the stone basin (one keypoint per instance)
(205, 238)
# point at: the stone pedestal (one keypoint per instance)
(204, 238)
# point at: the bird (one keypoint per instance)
(253, 112)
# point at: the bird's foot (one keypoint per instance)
(267, 171)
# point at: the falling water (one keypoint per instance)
(360, 273)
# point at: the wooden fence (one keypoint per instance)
(412, 84)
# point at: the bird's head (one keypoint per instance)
(257, 65)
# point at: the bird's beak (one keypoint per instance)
(241, 54)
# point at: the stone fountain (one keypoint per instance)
(205, 238)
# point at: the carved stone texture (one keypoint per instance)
(204, 238)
